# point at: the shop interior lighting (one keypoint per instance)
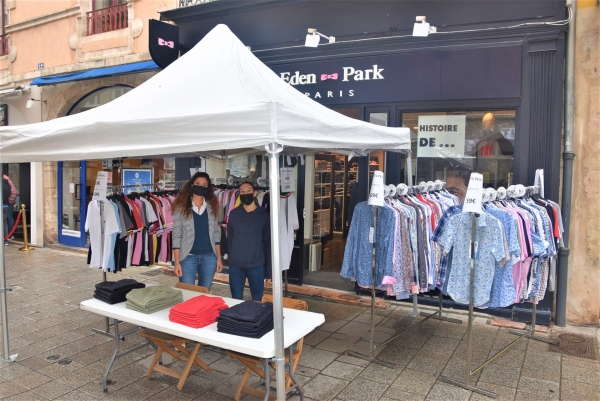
(313, 38)
(30, 102)
(422, 28)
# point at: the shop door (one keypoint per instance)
(71, 203)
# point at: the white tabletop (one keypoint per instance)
(296, 325)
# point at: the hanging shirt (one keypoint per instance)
(288, 223)
(489, 235)
(101, 247)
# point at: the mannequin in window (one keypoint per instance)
(494, 154)
(242, 168)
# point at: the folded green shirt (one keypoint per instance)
(149, 297)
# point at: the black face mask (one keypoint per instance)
(247, 199)
(200, 190)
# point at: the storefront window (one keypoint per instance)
(450, 145)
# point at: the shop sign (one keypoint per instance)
(71, 233)
(286, 175)
(187, 3)
(163, 43)
(441, 136)
(137, 180)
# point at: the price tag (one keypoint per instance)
(376, 193)
(100, 187)
(286, 175)
(474, 194)
(371, 235)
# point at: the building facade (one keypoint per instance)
(493, 59)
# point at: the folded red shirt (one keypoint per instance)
(197, 312)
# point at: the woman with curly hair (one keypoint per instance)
(196, 233)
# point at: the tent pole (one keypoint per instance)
(279, 359)
(3, 290)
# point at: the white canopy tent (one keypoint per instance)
(217, 97)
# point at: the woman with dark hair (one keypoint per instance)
(249, 245)
(196, 232)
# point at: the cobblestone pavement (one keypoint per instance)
(45, 321)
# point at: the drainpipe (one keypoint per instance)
(567, 187)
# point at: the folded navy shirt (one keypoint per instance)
(248, 311)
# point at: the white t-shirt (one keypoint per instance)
(100, 256)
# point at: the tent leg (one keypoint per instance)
(276, 270)
(3, 290)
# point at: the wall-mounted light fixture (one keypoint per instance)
(30, 102)
(422, 28)
(313, 38)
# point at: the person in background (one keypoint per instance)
(7, 204)
(196, 232)
(249, 245)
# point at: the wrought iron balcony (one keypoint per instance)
(107, 19)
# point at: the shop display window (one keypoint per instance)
(450, 145)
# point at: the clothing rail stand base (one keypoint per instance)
(530, 333)
(468, 373)
(435, 315)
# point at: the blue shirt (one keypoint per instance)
(359, 251)
(489, 235)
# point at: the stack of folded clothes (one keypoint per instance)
(197, 312)
(154, 298)
(248, 319)
(113, 292)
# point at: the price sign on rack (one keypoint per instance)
(474, 194)
(376, 193)
(100, 187)
(286, 175)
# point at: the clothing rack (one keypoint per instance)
(514, 191)
(390, 191)
(112, 189)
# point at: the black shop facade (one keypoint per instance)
(486, 73)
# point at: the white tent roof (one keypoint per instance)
(218, 96)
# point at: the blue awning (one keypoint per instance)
(96, 73)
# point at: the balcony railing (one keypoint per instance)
(107, 19)
(4, 48)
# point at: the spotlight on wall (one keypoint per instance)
(30, 102)
(422, 28)
(313, 38)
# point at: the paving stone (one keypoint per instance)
(227, 365)
(447, 392)
(362, 390)
(308, 372)
(341, 370)
(345, 337)
(332, 326)
(57, 370)
(391, 396)
(334, 345)
(315, 358)
(411, 381)
(26, 396)
(171, 395)
(441, 344)
(547, 362)
(511, 357)
(523, 396)
(355, 328)
(32, 380)
(504, 393)
(552, 376)
(428, 365)
(76, 396)
(353, 360)
(456, 331)
(324, 388)
(456, 368)
(571, 390)
(346, 312)
(366, 318)
(316, 337)
(540, 387)
(131, 392)
(501, 375)
(10, 389)
(380, 374)
(581, 374)
(14, 371)
(210, 396)
(52, 390)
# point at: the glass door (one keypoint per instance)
(71, 203)
(323, 198)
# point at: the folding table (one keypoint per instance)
(296, 325)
